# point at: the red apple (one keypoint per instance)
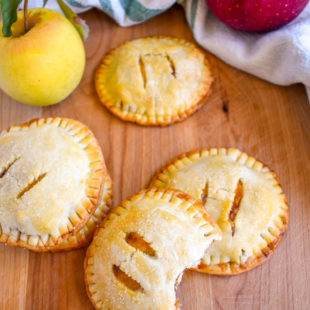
(256, 15)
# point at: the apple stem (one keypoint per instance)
(25, 16)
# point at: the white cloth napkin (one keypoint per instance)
(281, 56)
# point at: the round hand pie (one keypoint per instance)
(154, 81)
(242, 195)
(51, 174)
(137, 257)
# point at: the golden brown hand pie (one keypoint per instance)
(154, 80)
(51, 173)
(242, 195)
(139, 254)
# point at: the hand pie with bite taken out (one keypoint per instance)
(139, 253)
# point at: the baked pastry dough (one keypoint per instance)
(242, 195)
(139, 254)
(84, 236)
(154, 81)
(51, 173)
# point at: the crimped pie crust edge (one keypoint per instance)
(87, 141)
(144, 119)
(122, 207)
(83, 237)
(247, 160)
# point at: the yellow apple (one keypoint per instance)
(44, 65)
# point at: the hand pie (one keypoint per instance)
(51, 173)
(154, 81)
(137, 257)
(242, 195)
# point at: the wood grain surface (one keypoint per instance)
(269, 122)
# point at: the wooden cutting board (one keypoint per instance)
(269, 122)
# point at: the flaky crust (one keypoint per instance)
(275, 230)
(105, 291)
(229, 269)
(83, 237)
(170, 117)
(97, 173)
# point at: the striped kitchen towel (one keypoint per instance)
(281, 56)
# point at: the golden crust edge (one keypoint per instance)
(50, 243)
(252, 261)
(174, 194)
(229, 269)
(82, 241)
(132, 117)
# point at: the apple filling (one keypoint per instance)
(136, 241)
(126, 279)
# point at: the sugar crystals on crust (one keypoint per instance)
(242, 195)
(51, 174)
(154, 80)
(137, 257)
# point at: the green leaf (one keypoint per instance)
(9, 15)
(79, 24)
(44, 2)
